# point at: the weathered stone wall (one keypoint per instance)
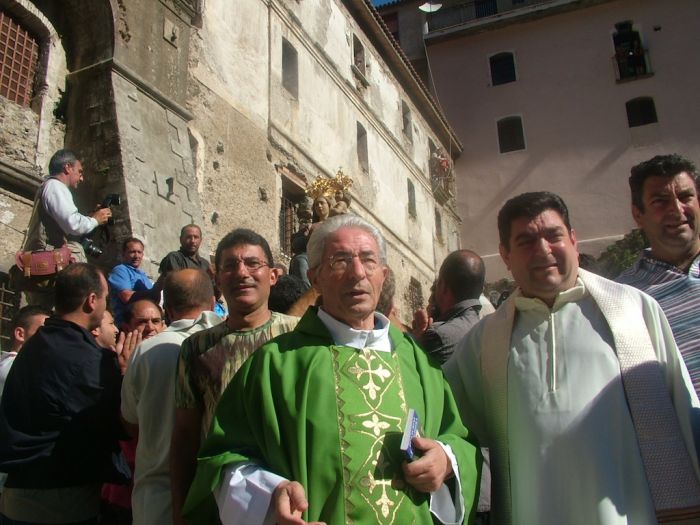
(14, 216)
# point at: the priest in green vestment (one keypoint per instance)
(309, 429)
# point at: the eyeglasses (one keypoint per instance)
(252, 264)
(339, 262)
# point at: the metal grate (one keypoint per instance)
(415, 294)
(9, 304)
(19, 53)
(288, 225)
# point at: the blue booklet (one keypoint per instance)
(410, 431)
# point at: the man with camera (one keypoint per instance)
(56, 225)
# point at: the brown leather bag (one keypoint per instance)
(43, 262)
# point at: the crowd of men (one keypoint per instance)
(575, 402)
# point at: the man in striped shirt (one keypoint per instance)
(665, 206)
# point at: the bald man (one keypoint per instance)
(456, 304)
(148, 390)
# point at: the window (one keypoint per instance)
(641, 111)
(358, 55)
(485, 8)
(415, 294)
(289, 221)
(438, 225)
(406, 120)
(9, 305)
(19, 54)
(630, 56)
(362, 153)
(502, 69)
(392, 23)
(290, 68)
(510, 134)
(411, 199)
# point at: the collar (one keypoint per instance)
(206, 319)
(573, 294)
(646, 259)
(194, 257)
(343, 335)
(460, 307)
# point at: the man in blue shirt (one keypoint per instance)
(127, 282)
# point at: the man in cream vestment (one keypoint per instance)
(539, 381)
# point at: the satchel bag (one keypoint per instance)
(43, 262)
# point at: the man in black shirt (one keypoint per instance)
(188, 254)
(59, 416)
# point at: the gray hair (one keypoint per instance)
(317, 241)
(60, 159)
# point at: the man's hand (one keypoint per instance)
(126, 344)
(421, 322)
(102, 215)
(289, 501)
(429, 472)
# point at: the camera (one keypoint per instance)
(113, 199)
(90, 247)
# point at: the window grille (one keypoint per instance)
(9, 305)
(19, 54)
(415, 294)
(288, 224)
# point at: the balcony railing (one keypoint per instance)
(460, 13)
(631, 65)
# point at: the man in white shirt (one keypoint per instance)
(550, 383)
(148, 391)
(55, 220)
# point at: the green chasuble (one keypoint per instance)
(331, 418)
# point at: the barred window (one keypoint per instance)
(19, 54)
(9, 305)
(415, 294)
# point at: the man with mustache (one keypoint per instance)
(209, 359)
(310, 427)
(576, 386)
(665, 206)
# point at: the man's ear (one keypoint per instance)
(90, 302)
(572, 236)
(505, 255)
(637, 215)
(311, 276)
(19, 334)
(274, 275)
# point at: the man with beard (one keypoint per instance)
(188, 254)
(209, 359)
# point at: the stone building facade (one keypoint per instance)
(221, 113)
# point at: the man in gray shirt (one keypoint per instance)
(456, 305)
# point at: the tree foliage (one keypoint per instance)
(621, 254)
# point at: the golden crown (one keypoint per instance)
(328, 186)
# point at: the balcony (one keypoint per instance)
(441, 176)
(631, 65)
(464, 12)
